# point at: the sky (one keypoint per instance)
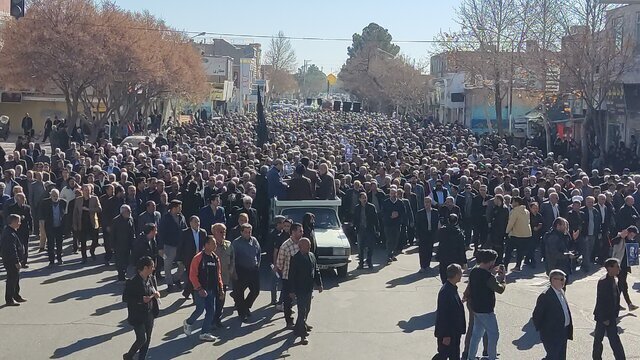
(405, 20)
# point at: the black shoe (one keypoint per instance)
(177, 284)
(394, 258)
(26, 266)
(304, 341)
(248, 313)
(60, 262)
(186, 294)
(51, 264)
(121, 278)
(370, 265)
(12, 303)
(309, 328)
(360, 267)
(290, 326)
(127, 357)
(20, 299)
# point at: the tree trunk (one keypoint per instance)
(498, 106)
(584, 142)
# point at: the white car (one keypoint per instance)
(133, 141)
(333, 248)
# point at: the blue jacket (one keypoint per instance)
(170, 232)
(208, 218)
(275, 186)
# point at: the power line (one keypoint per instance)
(255, 36)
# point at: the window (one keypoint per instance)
(618, 33)
(638, 31)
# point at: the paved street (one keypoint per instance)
(75, 312)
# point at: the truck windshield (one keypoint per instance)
(325, 218)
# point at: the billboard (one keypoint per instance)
(216, 65)
(246, 75)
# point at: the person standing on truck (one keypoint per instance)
(287, 250)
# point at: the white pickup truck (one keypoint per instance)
(334, 249)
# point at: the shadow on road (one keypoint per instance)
(417, 323)
(88, 271)
(90, 342)
(405, 280)
(529, 339)
(86, 294)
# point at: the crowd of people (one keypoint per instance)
(189, 212)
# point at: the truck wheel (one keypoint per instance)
(342, 271)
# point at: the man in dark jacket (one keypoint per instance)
(464, 201)
(12, 253)
(451, 249)
(27, 124)
(327, 186)
(149, 216)
(145, 244)
(606, 312)
(556, 242)
(26, 225)
(627, 214)
(124, 234)
(299, 186)
(169, 231)
(592, 221)
(212, 214)
(52, 212)
(365, 224)
(393, 218)
(427, 225)
(304, 277)
(450, 319)
(552, 317)
(193, 240)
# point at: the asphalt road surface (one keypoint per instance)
(75, 311)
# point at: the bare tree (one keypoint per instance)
(280, 54)
(593, 60)
(280, 59)
(491, 33)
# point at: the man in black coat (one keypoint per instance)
(451, 249)
(12, 253)
(606, 312)
(480, 223)
(145, 244)
(304, 277)
(193, 240)
(26, 225)
(247, 203)
(450, 318)
(552, 317)
(627, 214)
(427, 221)
(366, 226)
(52, 211)
(124, 234)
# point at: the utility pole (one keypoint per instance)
(304, 77)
